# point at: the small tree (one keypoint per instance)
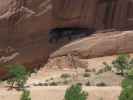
(18, 75)
(25, 95)
(75, 93)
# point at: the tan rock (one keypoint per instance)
(99, 45)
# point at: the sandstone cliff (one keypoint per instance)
(24, 26)
(99, 45)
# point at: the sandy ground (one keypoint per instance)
(57, 93)
(44, 73)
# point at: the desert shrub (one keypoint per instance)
(75, 92)
(25, 95)
(66, 82)
(79, 83)
(40, 84)
(107, 67)
(100, 71)
(53, 84)
(101, 84)
(88, 83)
(93, 70)
(87, 70)
(86, 75)
(65, 75)
(18, 75)
(122, 63)
(45, 84)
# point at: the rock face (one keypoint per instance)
(24, 25)
(99, 45)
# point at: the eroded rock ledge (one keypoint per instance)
(99, 45)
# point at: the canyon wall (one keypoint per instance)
(24, 24)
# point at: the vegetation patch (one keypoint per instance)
(75, 92)
(127, 85)
(25, 95)
(65, 75)
(86, 74)
(18, 76)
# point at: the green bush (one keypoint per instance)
(87, 70)
(128, 81)
(107, 67)
(66, 82)
(130, 73)
(122, 63)
(53, 84)
(79, 83)
(25, 95)
(127, 85)
(126, 94)
(86, 74)
(18, 75)
(100, 71)
(75, 93)
(88, 83)
(65, 75)
(101, 84)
